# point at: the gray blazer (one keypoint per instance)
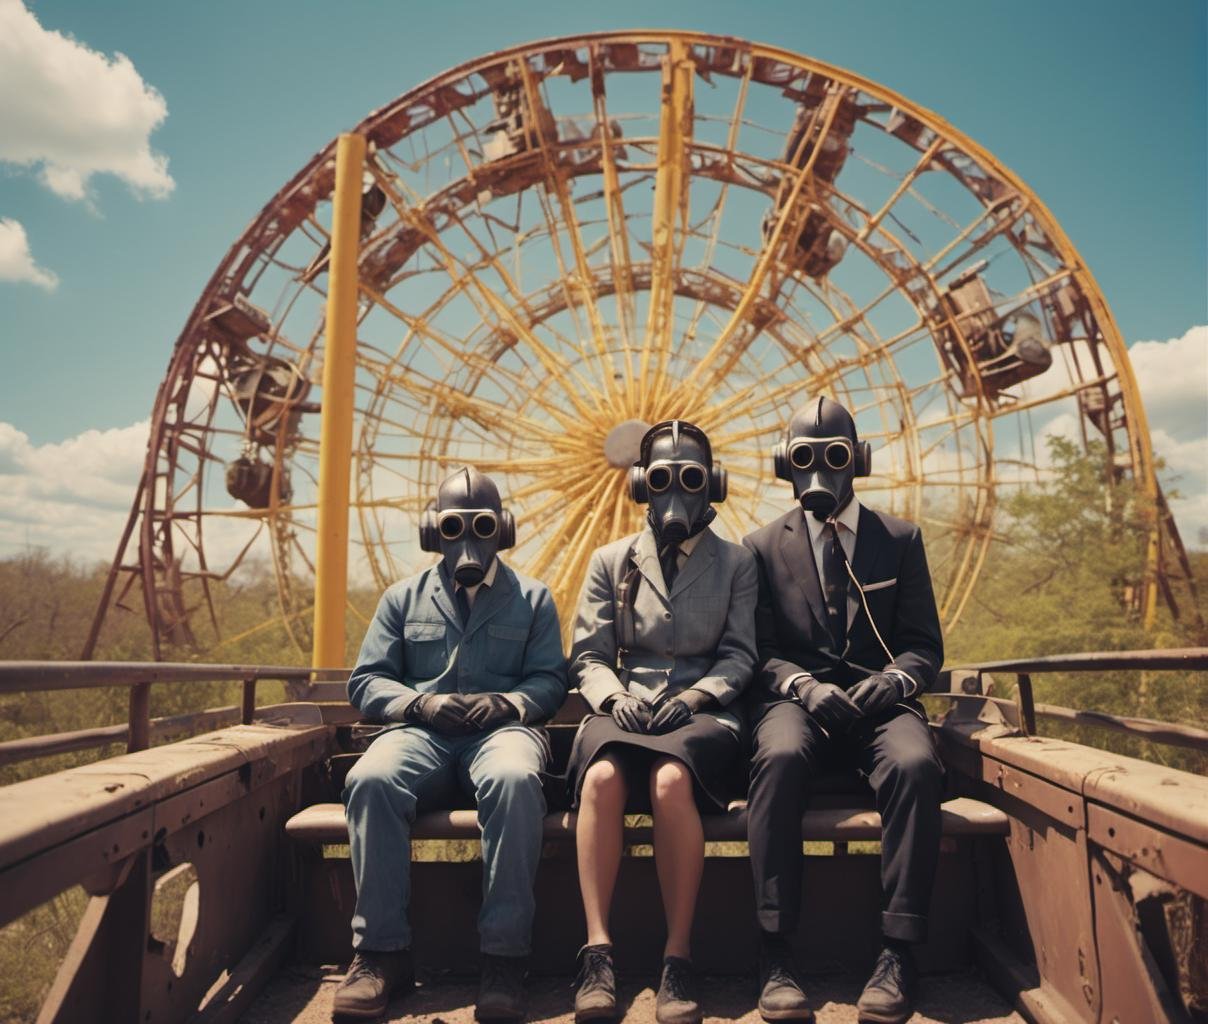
(700, 635)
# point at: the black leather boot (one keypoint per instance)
(596, 984)
(371, 979)
(501, 990)
(781, 994)
(889, 996)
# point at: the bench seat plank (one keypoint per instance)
(962, 816)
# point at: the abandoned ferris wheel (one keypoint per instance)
(565, 241)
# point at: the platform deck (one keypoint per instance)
(304, 995)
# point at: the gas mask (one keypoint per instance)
(677, 476)
(820, 455)
(467, 524)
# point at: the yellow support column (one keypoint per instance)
(335, 431)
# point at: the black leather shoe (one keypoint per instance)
(889, 996)
(371, 979)
(501, 991)
(595, 985)
(677, 1001)
(781, 994)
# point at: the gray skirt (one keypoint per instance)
(708, 749)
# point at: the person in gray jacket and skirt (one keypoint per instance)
(663, 644)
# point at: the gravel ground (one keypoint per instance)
(304, 994)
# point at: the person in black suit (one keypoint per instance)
(848, 635)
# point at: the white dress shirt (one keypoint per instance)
(846, 524)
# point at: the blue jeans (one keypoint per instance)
(413, 767)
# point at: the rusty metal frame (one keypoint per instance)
(218, 802)
(1073, 944)
(421, 236)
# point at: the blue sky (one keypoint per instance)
(1100, 108)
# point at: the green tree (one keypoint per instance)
(1061, 580)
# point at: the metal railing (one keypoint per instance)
(139, 676)
(1164, 660)
(27, 676)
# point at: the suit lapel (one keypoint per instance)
(697, 562)
(869, 544)
(798, 558)
(647, 556)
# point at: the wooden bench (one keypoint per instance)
(962, 816)
(839, 882)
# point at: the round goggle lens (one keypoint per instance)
(451, 526)
(838, 455)
(802, 456)
(658, 479)
(692, 479)
(485, 525)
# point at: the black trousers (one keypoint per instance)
(897, 755)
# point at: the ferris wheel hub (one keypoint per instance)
(622, 446)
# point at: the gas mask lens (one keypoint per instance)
(693, 477)
(838, 455)
(658, 479)
(801, 455)
(485, 525)
(452, 524)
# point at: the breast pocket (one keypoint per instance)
(880, 585)
(505, 649)
(424, 649)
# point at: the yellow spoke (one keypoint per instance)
(670, 218)
(741, 318)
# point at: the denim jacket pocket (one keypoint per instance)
(505, 649)
(424, 649)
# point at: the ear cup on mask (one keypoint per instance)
(638, 490)
(780, 461)
(718, 482)
(429, 531)
(863, 459)
(507, 530)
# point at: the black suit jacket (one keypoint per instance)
(790, 618)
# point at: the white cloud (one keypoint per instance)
(70, 497)
(1173, 378)
(69, 112)
(17, 262)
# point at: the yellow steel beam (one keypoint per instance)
(335, 432)
(670, 216)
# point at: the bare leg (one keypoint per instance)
(679, 850)
(598, 842)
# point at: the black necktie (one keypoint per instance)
(669, 560)
(463, 604)
(834, 589)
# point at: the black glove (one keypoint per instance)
(877, 693)
(486, 710)
(679, 710)
(445, 713)
(827, 704)
(630, 713)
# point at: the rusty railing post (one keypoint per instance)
(139, 722)
(249, 700)
(1027, 704)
